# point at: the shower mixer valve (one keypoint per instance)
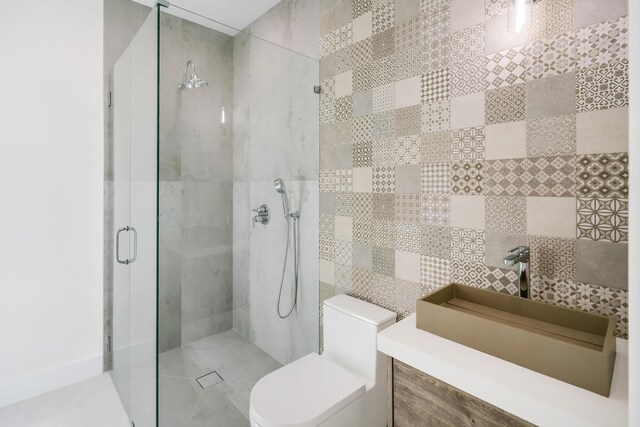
(263, 215)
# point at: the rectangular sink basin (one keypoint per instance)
(570, 345)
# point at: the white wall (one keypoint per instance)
(50, 195)
(634, 238)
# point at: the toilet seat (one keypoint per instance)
(303, 393)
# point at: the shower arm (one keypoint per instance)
(186, 70)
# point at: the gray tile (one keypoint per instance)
(590, 12)
(327, 135)
(362, 256)
(344, 13)
(362, 103)
(497, 244)
(327, 203)
(344, 156)
(602, 263)
(497, 38)
(406, 10)
(408, 179)
(214, 409)
(327, 66)
(551, 96)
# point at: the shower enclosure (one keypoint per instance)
(202, 119)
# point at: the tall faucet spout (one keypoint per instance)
(520, 256)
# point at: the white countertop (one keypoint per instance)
(534, 397)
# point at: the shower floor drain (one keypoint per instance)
(210, 379)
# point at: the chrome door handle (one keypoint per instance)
(135, 245)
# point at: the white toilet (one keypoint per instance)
(345, 386)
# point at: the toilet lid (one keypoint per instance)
(303, 393)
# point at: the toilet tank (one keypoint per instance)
(351, 329)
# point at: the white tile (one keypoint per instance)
(407, 92)
(344, 84)
(467, 111)
(344, 228)
(362, 180)
(506, 141)
(552, 216)
(408, 266)
(327, 272)
(362, 27)
(603, 131)
(467, 212)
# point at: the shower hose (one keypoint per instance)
(296, 236)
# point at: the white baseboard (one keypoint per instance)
(49, 380)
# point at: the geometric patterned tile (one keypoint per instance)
(383, 15)
(362, 155)
(407, 150)
(384, 261)
(384, 206)
(343, 180)
(435, 147)
(467, 245)
(553, 257)
(406, 294)
(344, 59)
(408, 121)
(363, 130)
(603, 175)
(436, 85)
(344, 252)
(384, 180)
(562, 292)
(362, 78)
(435, 178)
(436, 242)
(407, 34)
(539, 176)
(360, 7)
(468, 273)
(551, 136)
(327, 180)
(362, 206)
(607, 302)
(434, 273)
(502, 280)
(551, 57)
(469, 76)
(468, 43)
(327, 44)
(436, 53)
(435, 209)
(344, 132)
(435, 18)
(408, 237)
(407, 208)
(506, 68)
(506, 214)
(467, 144)
(383, 291)
(603, 43)
(363, 232)
(384, 152)
(604, 87)
(362, 284)
(384, 125)
(552, 18)
(506, 104)
(468, 178)
(383, 44)
(603, 219)
(344, 277)
(361, 53)
(408, 63)
(436, 116)
(384, 234)
(343, 36)
(344, 108)
(344, 204)
(496, 7)
(383, 98)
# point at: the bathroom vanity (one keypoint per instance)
(435, 381)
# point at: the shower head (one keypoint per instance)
(279, 184)
(280, 188)
(192, 81)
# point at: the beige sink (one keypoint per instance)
(570, 345)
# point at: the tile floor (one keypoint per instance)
(93, 402)
(183, 403)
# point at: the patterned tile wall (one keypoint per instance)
(446, 140)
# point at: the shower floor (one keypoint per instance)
(184, 403)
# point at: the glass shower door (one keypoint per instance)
(134, 101)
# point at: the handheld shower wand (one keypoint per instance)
(280, 188)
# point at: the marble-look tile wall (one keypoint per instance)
(196, 169)
(446, 140)
(275, 133)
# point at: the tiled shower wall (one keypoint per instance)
(446, 141)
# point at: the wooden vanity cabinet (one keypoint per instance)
(417, 399)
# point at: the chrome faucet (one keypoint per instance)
(520, 256)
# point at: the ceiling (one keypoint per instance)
(227, 16)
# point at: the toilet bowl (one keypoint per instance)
(345, 386)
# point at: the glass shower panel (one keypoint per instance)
(134, 103)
